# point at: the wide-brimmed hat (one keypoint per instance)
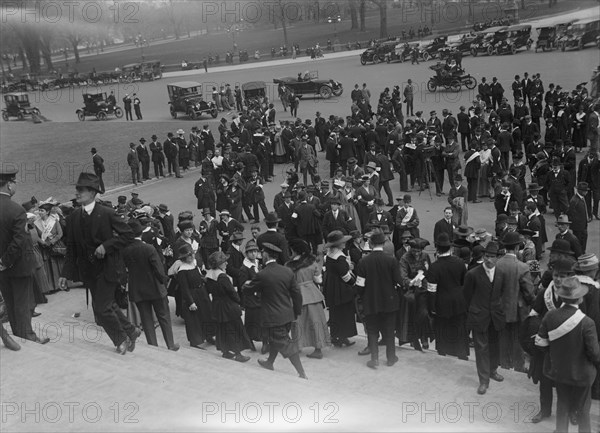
(372, 165)
(534, 187)
(571, 288)
(88, 180)
(418, 243)
(216, 259)
(463, 231)
(272, 218)
(299, 246)
(336, 238)
(180, 131)
(184, 251)
(583, 186)
(365, 177)
(586, 262)
(511, 239)
(564, 264)
(492, 248)
(378, 238)
(461, 243)
(443, 240)
(527, 232)
(250, 246)
(406, 235)
(355, 234)
(563, 219)
(481, 232)
(561, 246)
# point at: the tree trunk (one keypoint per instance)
(23, 58)
(283, 25)
(382, 4)
(353, 14)
(361, 12)
(75, 45)
(47, 55)
(523, 4)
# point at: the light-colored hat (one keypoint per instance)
(572, 288)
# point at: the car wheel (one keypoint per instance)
(431, 86)
(490, 50)
(214, 113)
(325, 92)
(80, 115)
(455, 86)
(101, 115)
(474, 52)
(338, 91)
(118, 112)
(470, 83)
(426, 56)
(376, 59)
(20, 116)
(513, 49)
(36, 111)
(4, 115)
(363, 61)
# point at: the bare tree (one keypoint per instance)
(175, 18)
(283, 18)
(353, 14)
(47, 35)
(362, 7)
(382, 5)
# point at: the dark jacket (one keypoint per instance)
(277, 239)
(442, 226)
(376, 278)
(484, 300)
(16, 247)
(225, 300)
(145, 272)
(578, 213)
(280, 297)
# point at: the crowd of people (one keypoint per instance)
(487, 291)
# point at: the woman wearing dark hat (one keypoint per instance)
(412, 324)
(231, 335)
(53, 249)
(446, 303)
(310, 329)
(221, 191)
(338, 290)
(250, 301)
(41, 284)
(196, 306)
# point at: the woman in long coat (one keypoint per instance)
(231, 335)
(338, 290)
(347, 199)
(196, 307)
(311, 327)
(251, 301)
(50, 233)
(485, 155)
(234, 200)
(365, 197)
(412, 324)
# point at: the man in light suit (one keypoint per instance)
(93, 257)
(308, 160)
(280, 305)
(483, 295)
(517, 295)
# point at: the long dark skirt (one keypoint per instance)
(451, 336)
(252, 324)
(412, 320)
(342, 321)
(197, 329)
(232, 336)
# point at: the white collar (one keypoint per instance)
(377, 249)
(270, 261)
(89, 208)
(236, 246)
(250, 264)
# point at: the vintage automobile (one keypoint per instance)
(579, 34)
(548, 36)
(518, 36)
(188, 66)
(429, 49)
(151, 70)
(401, 53)
(98, 105)
(463, 45)
(186, 97)
(485, 41)
(377, 53)
(308, 83)
(17, 105)
(130, 73)
(254, 94)
(449, 78)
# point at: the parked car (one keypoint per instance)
(309, 84)
(463, 45)
(377, 53)
(548, 36)
(429, 49)
(579, 34)
(518, 36)
(186, 97)
(255, 94)
(151, 70)
(401, 53)
(485, 41)
(17, 105)
(98, 105)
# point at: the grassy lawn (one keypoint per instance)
(451, 17)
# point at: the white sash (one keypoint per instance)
(408, 216)
(548, 298)
(567, 326)
(472, 157)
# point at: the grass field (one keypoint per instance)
(453, 16)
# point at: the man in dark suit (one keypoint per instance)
(449, 124)
(166, 220)
(380, 217)
(158, 157)
(285, 212)
(273, 237)
(445, 225)
(526, 85)
(99, 169)
(172, 155)
(579, 214)
(485, 318)
(17, 263)
(464, 129)
(563, 224)
(306, 220)
(336, 219)
(377, 276)
(517, 89)
(93, 257)
(589, 171)
(571, 339)
(280, 305)
(505, 145)
(205, 195)
(144, 157)
(147, 281)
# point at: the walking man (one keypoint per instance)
(95, 236)
(133, 161)
(137, 107)
(408, 98)
(99, 169)
(144, 157)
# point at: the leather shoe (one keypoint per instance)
(391, 362)
(315, 355)
(482, 389)
(134, 337)
(241, 358)
(42, 340)
(365, 351)
(265, 364)
(497, 377)
(373, 364)
(538, 417)
(122, 348)
(174, 347)
(8, 341)
(228, 355)
(35, 314)
(347, 343)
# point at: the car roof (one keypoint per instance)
(519, 27)
(131, 65)
(151, 61)
(185, 84)
(558, 23)
(17, 94)
(494, 29)
(254, 85)
(586, 20)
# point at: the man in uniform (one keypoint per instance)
(280, 305)
(17, 263)
(93, 257)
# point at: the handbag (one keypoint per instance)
(58, 249)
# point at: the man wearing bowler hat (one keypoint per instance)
(557, 182)
(158, 157)
(273, 237)
(144, 157)
(563, 224)
(99, 169)
(571, 342)
(95, 236)
(579, 214)
(17, 263)
(483, 294)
